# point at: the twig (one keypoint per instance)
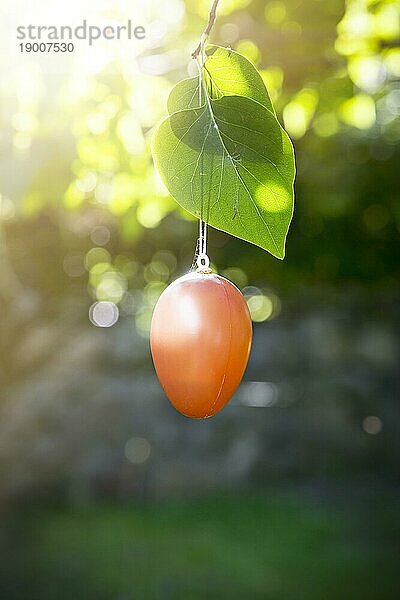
(201, 246)
(211, 21)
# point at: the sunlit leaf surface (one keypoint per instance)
(223, 155)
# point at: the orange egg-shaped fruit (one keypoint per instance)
(200, 342)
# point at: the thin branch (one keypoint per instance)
(211, 20)
(201, 246)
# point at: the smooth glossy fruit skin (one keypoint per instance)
(200, 342)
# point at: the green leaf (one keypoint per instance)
(227, 73)
(224, 157)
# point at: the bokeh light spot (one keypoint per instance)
(275, 12)
(372, 425)
(359, 111)
(74, 264)
(137, 450)
(103, 314)
(95, 256)
(100, 235)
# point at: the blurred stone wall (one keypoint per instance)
(83, 415)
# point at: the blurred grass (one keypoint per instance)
(255, 546)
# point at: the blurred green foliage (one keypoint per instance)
(83, 206)
(251, 545)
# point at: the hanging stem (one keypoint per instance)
(201, 257)
(202, 238)
(211, 20)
